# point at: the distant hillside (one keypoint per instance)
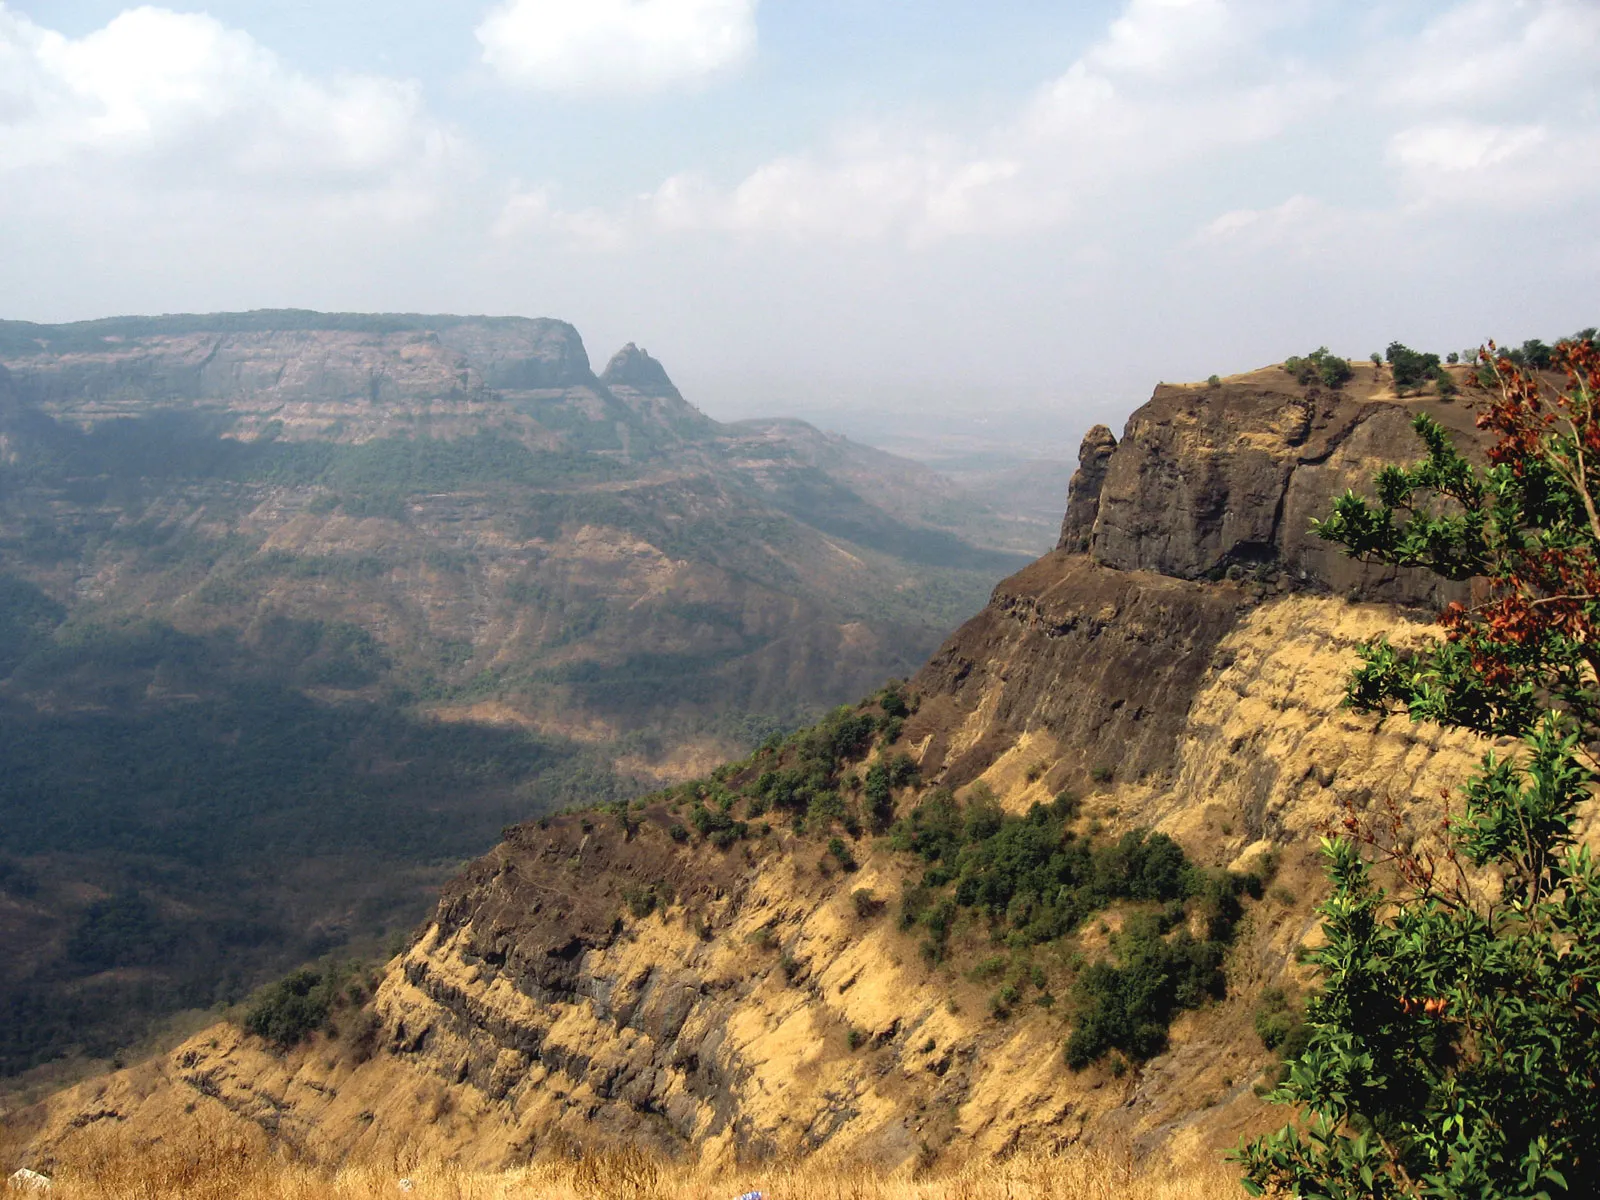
(298, 609)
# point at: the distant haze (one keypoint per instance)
(1020, 213)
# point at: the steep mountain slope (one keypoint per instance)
(297, 610)
(1178, 664)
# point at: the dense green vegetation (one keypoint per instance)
(989, 880)
(305, 1001)
(1410, 368)
(190, 807)
(1320, 366)
(27, 619)
(1033, 881)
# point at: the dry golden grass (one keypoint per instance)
(226, 1165)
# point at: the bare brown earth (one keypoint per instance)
(1181, 662)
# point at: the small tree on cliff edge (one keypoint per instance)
(1455, 1045)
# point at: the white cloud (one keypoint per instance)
(1302, 229)
(1171, 82)
(201, 104)
(1461, 147)
(616, 46)
(1505, 166)
(531, 210)
(1490, 52)
(861, 189)
(1163, 38)
(1288, 219)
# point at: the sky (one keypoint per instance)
(1014, 212)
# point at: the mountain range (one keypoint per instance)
(298, 609)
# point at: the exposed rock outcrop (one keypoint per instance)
(1207, 479)
(633, 367)
(1083, 493)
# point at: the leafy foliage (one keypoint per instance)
(1035, 881)
(300, 1004)
(1320, 367)
(1130, 1004)
(1410, 368)
(288, 1011)
(1454, 1049)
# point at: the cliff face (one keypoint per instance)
(757, 1009)
(1207, 479)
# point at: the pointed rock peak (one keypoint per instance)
(1097, 445)
(1083, 493)
(633, 367)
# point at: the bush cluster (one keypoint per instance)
(300, 1004)
(1281, 1025)
(289, 1011)
(1411, 368)
(806, 777)
(1320, 366)
(1033, 880)
(1128, 1006)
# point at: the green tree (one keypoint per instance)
(1410, 368)
(1454, 1047)
(880, 797)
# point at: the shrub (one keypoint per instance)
(1128, 1007)
(841, 854)
(1213, 381)
(902, 771)
(893, 701)
(1321, 366)
(1280, 1024)
(289, 1011)
(867, 905)
(1410, 368)
(641, 901)
(1335, 371)
(879, 797)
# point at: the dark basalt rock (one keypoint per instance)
(1083, 493)
(1225, 481)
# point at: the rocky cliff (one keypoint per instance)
(1178, 663)
(1208, 480)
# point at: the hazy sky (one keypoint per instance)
(930, 205)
